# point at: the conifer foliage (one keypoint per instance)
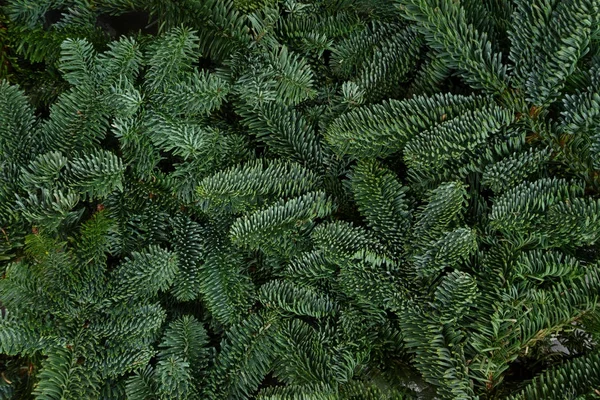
(278, 200)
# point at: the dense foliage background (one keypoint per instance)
(328, 199)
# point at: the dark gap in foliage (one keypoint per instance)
(111, 142)
(42, 83)
(588, 253)
(112, 261)
(167, 163)
(327, 57)
(270, 381)
(53, 16)
(520, 370)
(205, 63)
(127, 23)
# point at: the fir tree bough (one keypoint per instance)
(281, 200)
